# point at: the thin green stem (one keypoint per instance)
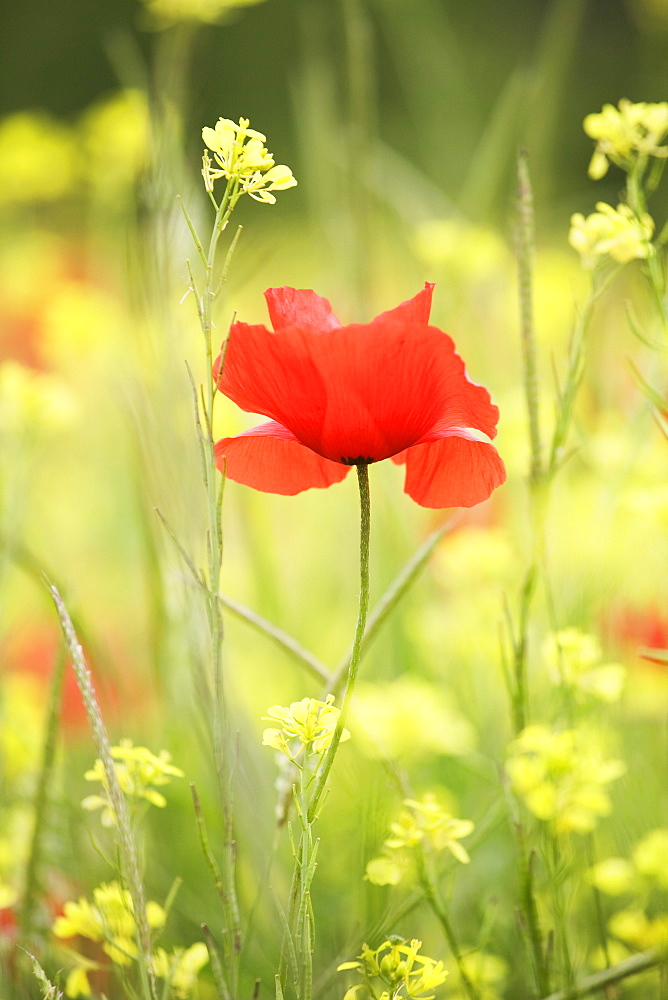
(365, 533)
(599, 981)
(214, 486)
(433, 898)
(525, 259)
(530, 913)
(128, 847)
(41, 797)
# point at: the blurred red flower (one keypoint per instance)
(338, 395)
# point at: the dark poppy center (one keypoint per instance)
(360, 460)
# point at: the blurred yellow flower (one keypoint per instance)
(109, 919)
(561, 776)
(410, 719)
(78, 319)
(650, 857)
(422, 824)
(38, 159)
(32, 400)
(166, 12)
(574, 660)
(634, 927)
(486, 971)
(617, 233)
(241, 156)
(307, 725)
(614, 876)
(623, 132)
(8, 895)
(181, 968)
(115, 135)
(139, 772)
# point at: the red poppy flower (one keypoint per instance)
(338, 395)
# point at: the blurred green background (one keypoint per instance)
(452, 87)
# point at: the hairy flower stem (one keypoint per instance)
(214, 485)
(365, 532)
(128, 847)
(525, 259)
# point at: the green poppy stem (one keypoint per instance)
(356, 655)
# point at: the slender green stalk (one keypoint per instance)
(365, 533)
(278, 636)
(41, 797)
(599, 981)
(399, 586)
(214, 486)
(530, 913)
(128, 848)
(433, 898)
(525, 258)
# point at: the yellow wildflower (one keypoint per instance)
(239, 155)
(614, 876)
(38, 159)
(181, 968)
(108, 919)
(486, 971)
(76, 984)
(166, 12)
(308, 725)
(574, 660)
(32, 400)
(138, 772)
(616, 233)
(624, 132)
(634, 927)
(410, 719)
(116, 141)
(562, 777)
(650, 857)
(399, 967)
(422, 824)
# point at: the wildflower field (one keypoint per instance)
(333, 500)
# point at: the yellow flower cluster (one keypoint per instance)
(573, 659)
(410, 719)
(241, 156)
(43, 160)
(109, 920)
(613, 232)
(626, 132)
(168, 12)
(486, 972)
(643, 876)
(399, 968)
(139, 772)
(33, 402)
(181, 968)
(561, 776)
(307, 725)
(422, 824)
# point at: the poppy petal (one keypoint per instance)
(415, 310)
(453, 469)
(300, 307)
(271, 459)
(360, 391)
